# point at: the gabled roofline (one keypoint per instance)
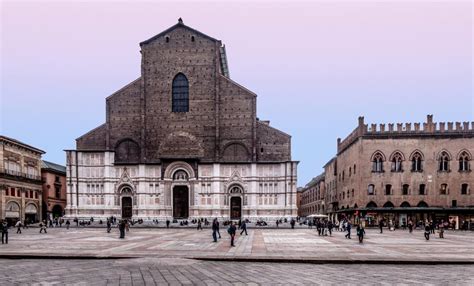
(122, 88)
(239, 85)
(178, 25)
(100, 126)
(273, 128)
(19, 143)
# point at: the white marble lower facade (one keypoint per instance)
(98, 188)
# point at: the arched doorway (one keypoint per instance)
(180, 202)
(235, 208)
(57, 211)
(126, 207)
(31, 213)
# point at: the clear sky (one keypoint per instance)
(316, 66)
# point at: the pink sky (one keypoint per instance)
(315, 66)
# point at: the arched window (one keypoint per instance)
(180, 99)
(416, 162)
(443, 162)
(405, 205)
(180, 175)
(377, 162)
(127, 151)
(397, 162)
(371, 190)
(371, 205)
(464, 159)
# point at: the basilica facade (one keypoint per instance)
(182, 141)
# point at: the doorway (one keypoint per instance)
(126, 207)
(235, 208)
(180, 202)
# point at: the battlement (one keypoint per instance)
(428, 128)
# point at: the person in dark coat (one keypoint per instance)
(109, 226)
(292, 223)
(199, 227)
(122, 228)
(348, 228)
(243, 227)
(360, 233)
(167, 223)
(231, 230)
(427, 231)
(215, 227)
(4, 230)
(68, 223)
(381, 226)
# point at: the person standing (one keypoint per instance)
(348, 228)
(199, 225)
(292, 223)
(43, 227)
(18, 226)
(360, 233)
(109, 226)
(277, 222)
(243, 227)
(215, 227)
(441, 230)
(167, 223)
(381, 226)
(68, 223)
(410, 226)
(122, 229)
(231, 230)
(427, 231)
(4, 229)
(330, 226)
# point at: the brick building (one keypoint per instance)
(54, 189)
(20, 181)
(182, 140)
(399, 172)
(312, 197)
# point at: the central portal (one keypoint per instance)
(235, 208)
(180, 202)
(126, 207)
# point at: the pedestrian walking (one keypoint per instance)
(215, 227)
(18, 226)
(68, 223)
(292, 223)
(427, 231)
(4, 230)
(277, 222)
(231, 230)
(360, 233)
(381, 226)
(330, 226)
(243, 227)
(109, 226)
(43, 227)
(167, 223)
(199, 225)
(348, 228)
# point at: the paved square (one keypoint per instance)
(284, 244)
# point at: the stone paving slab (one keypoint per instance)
(260, 244)
(178, 271)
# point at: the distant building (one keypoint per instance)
(20, 181)
(401, 172)
(54, 189)
(182, 141)
(312, 197)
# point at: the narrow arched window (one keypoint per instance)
(443, 162)
(397, 162)
(377, 163)
(180, 98)
(464, 162)
(416, 165)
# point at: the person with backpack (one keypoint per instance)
(231, 231)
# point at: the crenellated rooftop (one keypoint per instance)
(390, 130)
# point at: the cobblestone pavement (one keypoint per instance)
(284, 244)
(177, 271)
